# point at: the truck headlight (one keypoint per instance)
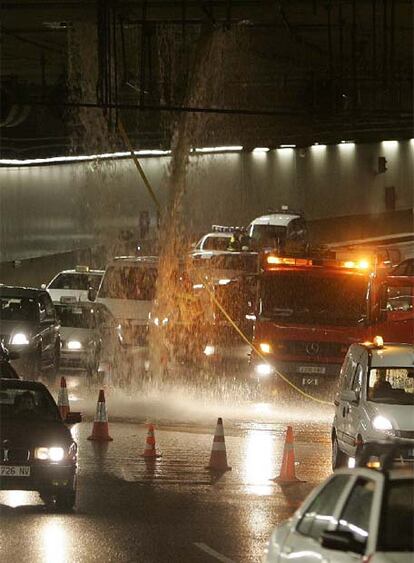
(74, 345)
(381, 423)
(264, 370)
(20, 338)
(209, 350)
(265, 348)
(51, 454)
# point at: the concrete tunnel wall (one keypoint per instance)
(60, 208)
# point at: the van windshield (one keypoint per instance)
(394, 386)
(129, 282)
(268, 236)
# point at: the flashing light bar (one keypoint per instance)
(281, 260)
(359, 265)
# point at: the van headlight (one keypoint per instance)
(381, 423)
(50, 454)
(20, 338)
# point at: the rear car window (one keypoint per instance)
(18, 309)
(76, 281)
(397, 522)
(26, 404)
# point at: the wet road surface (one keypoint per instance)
(171, 510)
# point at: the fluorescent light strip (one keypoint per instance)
(390, 144)
(287, 146)
(236, 148)
(83, 158)
(261, 149)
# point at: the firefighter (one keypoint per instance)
(235, 241)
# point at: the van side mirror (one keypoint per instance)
(92, 293)
(349, 396)
(342, 541)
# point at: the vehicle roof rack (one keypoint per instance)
(384, 455)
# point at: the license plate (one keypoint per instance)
(310, 381)
(311, 369)
(14, 471)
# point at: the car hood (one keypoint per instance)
(11, 327)
(393, 557)
(128, 309)
(32, 433)
(400, 416)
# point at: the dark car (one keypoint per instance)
(37, 451)
(29, 326)
(6, 370)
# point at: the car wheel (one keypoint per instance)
(339, 458)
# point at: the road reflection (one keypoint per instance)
(258, 458)
(54, 542)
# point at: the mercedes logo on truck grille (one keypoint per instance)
(312, 348)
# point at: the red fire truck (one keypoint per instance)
(309, 311)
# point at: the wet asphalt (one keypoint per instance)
(172, 509)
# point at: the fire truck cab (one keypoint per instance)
(310, 310)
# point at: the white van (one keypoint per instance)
(128, 291)
(375, 399)
(278, 228)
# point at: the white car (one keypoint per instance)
(74, 285)
(375, 398)
(216, 241)
(358, 514)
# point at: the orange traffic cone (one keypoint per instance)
(287, 470)
(150, 451)
(63, 399)
(100, 425)
(218, 458)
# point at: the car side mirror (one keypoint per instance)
(92, 293)
(342, 541)
(349, 396)
(73, 417)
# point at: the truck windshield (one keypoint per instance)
(308, 299)
(129, 282)
(391, 385)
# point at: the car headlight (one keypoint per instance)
(209, 350)
(74, 345)
(265, 348)
(381, 423)
(264, 370)
(20, 338)
(50, 454)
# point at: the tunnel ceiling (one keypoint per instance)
(251, 73)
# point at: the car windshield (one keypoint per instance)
(304, 298)
(76, 281)
(18, 309)
(268, 235)
(26, 404)
(129, 282)
(216, 243)
(396, 529)
(75, 316)
(391, 385)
